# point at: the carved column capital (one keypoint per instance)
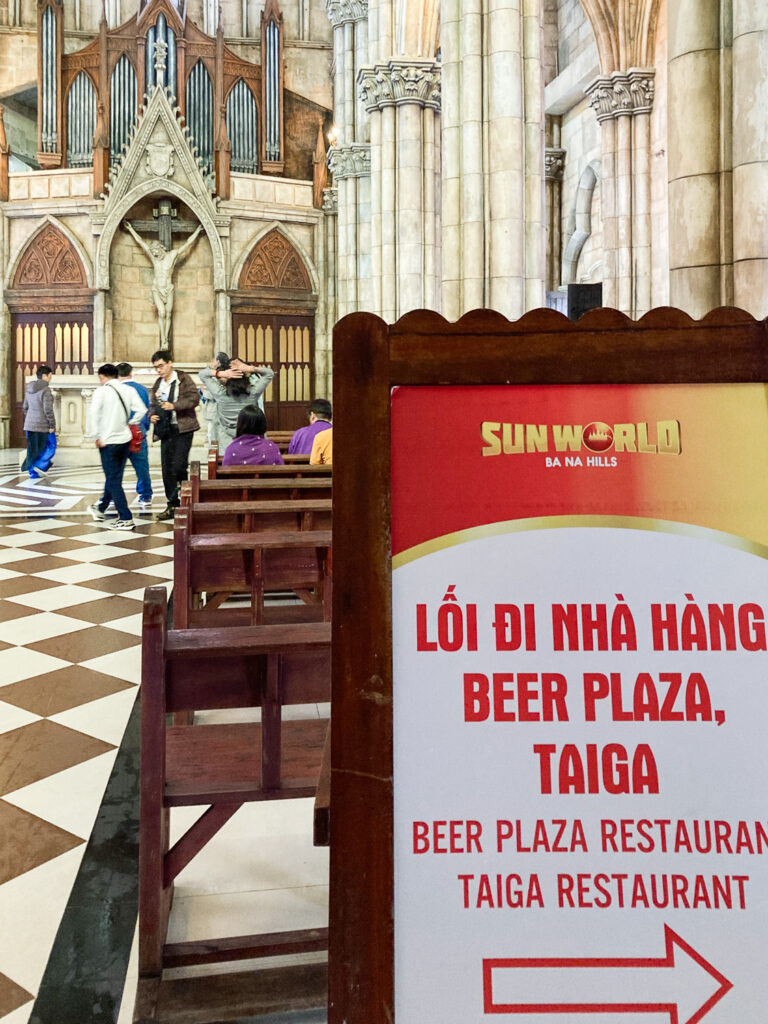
(341, 11)
(398, 82)
(623, 93)
(352, 161)
(330, 201)
(554, 163)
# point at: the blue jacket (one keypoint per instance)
(144, 396)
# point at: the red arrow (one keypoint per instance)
(531, 980)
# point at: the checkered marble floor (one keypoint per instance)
(70, 647)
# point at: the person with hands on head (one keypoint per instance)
(235, 387)
(172, 411)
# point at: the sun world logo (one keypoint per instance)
(660, 438)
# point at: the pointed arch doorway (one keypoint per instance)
(51, 309)
(273, 322)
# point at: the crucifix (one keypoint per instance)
(163, 259)
(165, 223)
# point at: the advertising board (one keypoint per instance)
(579, 654)
(549, 764)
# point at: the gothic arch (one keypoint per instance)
(625, 32)
(249, 255)
(579, 225)
(68, 243)
(148, 188)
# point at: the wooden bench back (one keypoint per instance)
(251, 516)
(220, 565)
(223, 765)
(278, 487)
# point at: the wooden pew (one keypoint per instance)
(221, 565)
(282, 438)
(280, 487)
(221, 766)
(252, 516)
(297, 465)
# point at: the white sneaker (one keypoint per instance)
(145, 504)
(122, 524)
(96, 513)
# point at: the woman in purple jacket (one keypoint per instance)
(250, 447)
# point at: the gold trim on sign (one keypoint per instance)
(450, 540)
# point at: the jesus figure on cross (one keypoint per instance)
(163, 263)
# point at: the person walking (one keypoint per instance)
(112, 408)
(39, 420)
(140, 459)
(172, 411)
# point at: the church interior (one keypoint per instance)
(285, 163)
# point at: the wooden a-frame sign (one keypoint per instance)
(604, 347)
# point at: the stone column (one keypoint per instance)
(223, 323)
(641, 191)
(402, 99)
(324, 368)
(554, 164)
(492, 156)
(351, 169)
(694, 154)
(349, 160)
(450, 35)
(623, 103)
(534, 266)
(750, 155)
(101, 344)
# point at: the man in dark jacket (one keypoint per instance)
(172, 410)
(39, 420)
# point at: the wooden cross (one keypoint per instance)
(165, 224)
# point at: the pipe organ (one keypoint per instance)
(234, 108)
(122, 105)
(199, 103)
(272, 86)
(242, 120)
(161, 30)
(81, 122)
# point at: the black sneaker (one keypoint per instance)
(167, 513)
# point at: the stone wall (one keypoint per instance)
(18, 59)
(574, 32)
(134, 317)
(580, 138)
(21, 132)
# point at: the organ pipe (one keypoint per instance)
(272, 72)
(162, 30)
(81, 122)
(122, 105)
(242, 129)
(199, 113)
(50, 135)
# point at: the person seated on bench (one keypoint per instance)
(241, 384)
(322, 449)
(250, 447)
(320, 416)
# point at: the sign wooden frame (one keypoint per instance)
(483, 348)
